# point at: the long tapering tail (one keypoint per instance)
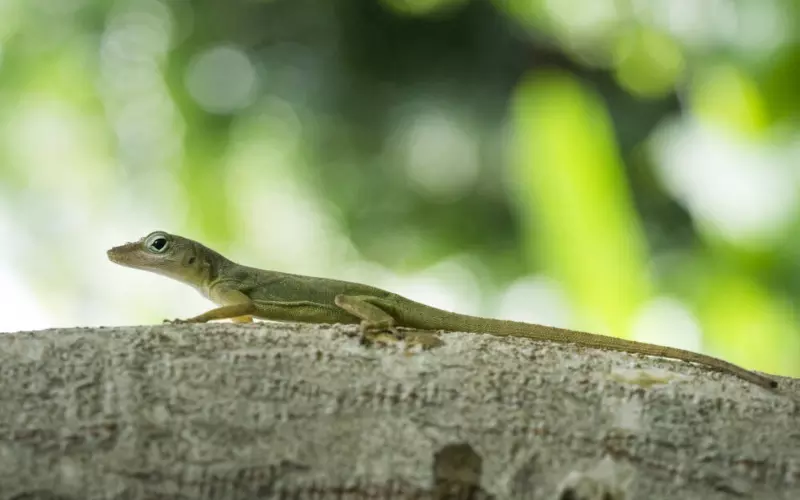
(438, 319)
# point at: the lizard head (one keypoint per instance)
(163, 253)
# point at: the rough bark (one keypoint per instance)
(280, 411)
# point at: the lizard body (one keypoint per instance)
(243, 292)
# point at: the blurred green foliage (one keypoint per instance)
(626, 167)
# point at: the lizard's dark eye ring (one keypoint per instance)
(157, 243)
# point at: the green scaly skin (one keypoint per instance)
(243, 292)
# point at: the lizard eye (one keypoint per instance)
(157, 243)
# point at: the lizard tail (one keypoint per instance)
(445, 320)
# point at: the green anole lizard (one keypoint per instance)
(243, 292)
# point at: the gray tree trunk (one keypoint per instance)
(224, 411)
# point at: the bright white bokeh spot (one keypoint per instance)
(668, 322)
(265, 185)
(745, 192)
(222, 80)
(694, 22)
(754, 27)
(136, 33)
(448, 285)
(580, 18)
(54, 137)
(535, 300)
(149, 131)
(24, 310)
(439, 155)
(137, 102)
(763, 26)
(27, 310)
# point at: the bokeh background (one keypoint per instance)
(629, 167)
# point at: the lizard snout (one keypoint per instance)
(117, 254)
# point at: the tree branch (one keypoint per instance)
(290, 411)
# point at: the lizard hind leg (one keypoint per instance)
(378, 326)
(375, 322)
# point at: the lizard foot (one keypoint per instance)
(424, 341)
(176, 321)
(379, 333)
(378, 339)
(387, 334)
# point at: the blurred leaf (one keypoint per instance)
(745, 324)
(780, 85)
(574, 200)
(726, 97)
(648, 63)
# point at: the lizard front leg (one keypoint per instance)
(375, 322)
(234, 312)
(238, 307)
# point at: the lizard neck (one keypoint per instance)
(206, 267)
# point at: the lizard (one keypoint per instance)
(242, 293)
